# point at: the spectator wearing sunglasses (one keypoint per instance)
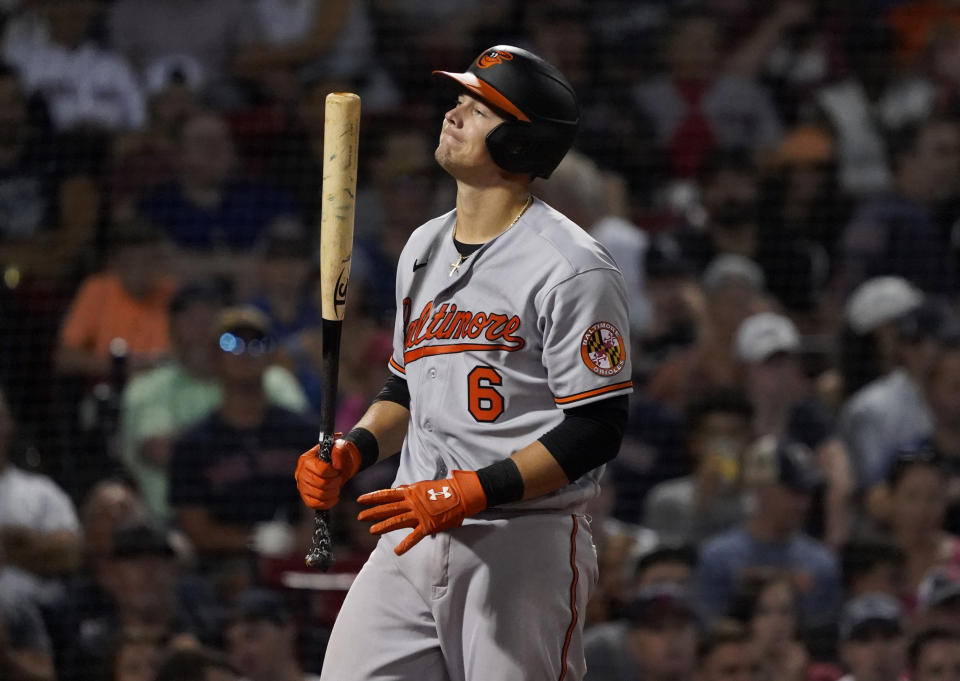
(229, 474)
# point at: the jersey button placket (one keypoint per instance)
(433, 372)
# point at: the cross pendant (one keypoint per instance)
(455, 266)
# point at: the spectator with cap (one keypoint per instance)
(733, 288)
(902, 233)
(872, 565)
(139, 592)
(229, 473)
(657, 641)
(211, 213)
(938, 599)
(710, 500)
(872, 638)
(892, 411)
(161, 403)
(934, 655)
(915, 496)
(25, 650)
(803, 211)
(768, 345)
(726, 653)
(869, 340)
(261, 638)
(666, 564)
(783, 476)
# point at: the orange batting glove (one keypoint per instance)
(428, 507)
(319, 482)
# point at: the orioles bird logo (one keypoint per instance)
(492, 57)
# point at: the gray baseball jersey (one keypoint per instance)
(532, 322)
(492, 351)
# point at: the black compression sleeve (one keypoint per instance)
(589, 436)
(395, 390)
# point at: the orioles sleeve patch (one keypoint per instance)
(603, 350)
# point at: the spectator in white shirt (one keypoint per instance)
(85, 85)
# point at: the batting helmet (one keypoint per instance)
(540, 106)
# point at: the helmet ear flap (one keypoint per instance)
(520, 147)
(509, 146)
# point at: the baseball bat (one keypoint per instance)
(338, 196)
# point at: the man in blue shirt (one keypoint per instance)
(784, 477)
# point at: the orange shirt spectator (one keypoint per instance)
(916, 22)
(128, 300)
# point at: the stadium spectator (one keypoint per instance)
(161, 403)
(867, 105)
(784, 477)
(656, 641)
(202, 37)
(666, 564)
(872, 566)
(231, 471)
(261, 638)
(767, 605)
(579, 190)
(697, 107)
(312, 37)
(140, 593)
(934, 655)
(135, 658)
(916, 23)
(944, 399)
(869, 347)
(872, 638)
(727, 653)
(213, 215)
(729, 185)
(733, 289)
(110, 503)
(784, 406)
(939, 600)
(84, 84)
(710, 500)
(802, 211)
(128, 300)
(39, 531)
(892, 411)
(196, 663)
(902, 232)
(916, 487)
(25, 651)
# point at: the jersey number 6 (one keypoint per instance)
(483, 400)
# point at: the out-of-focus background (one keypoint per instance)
(779, 181)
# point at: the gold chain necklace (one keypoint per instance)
(455, 266)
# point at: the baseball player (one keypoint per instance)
(507, 394)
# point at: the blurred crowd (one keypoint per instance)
(778, 180)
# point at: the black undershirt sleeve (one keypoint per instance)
(589, 436)
(395, 390)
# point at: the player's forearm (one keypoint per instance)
(539, 470)
(388, 422)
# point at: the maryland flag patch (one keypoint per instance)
(602, 349)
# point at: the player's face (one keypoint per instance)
(462, 149)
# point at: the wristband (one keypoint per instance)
(501, 482)
(366, 444)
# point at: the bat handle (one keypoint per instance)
(320, 555)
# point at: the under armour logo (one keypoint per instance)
(444, 492)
